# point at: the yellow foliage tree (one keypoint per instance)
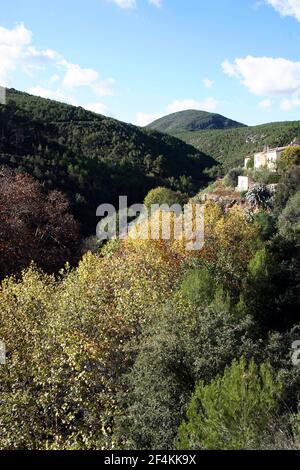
(67, 346)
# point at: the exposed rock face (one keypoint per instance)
(226, 199)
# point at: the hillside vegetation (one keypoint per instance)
(231, 146)
(92, 158)
(191, 121)
(148, 342)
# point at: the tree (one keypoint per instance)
(70, 341)
(289, 220)
(289, 185)
(259, 197)
(264, 176)
(163, 196)
(233, 411)
(189, 341)
(231, 239)
(35, 225)
(231, 179)
(290, 157)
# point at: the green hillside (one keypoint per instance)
(92, 158)
(231, 146)
(192, 120)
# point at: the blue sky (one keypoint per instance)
(137, 60)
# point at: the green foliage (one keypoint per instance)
(289, 158)
(215, 172)
(231, 179)
(188, 342)
(198, 286)
(289, 220)
(266, 223)
(289, 185)
(108, 355)
(233, 411)
(192, 121)
(250, 164)
(271, 287)
(92, 158)
(164, 196)
(231, 146)
(264, 176)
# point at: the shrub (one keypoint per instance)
(266, 223)
(66, 346)
(289, 158)
(264, 176)
(188, 342)
(259, 197)
(289, 185)
(233, 411)
(231, 179)
(164, 196)
(198, 286)
(289, 220)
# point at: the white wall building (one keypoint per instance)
(243, 184)
(268, 158)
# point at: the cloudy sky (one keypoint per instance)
(137, 60)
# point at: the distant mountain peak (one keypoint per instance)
(193, 120)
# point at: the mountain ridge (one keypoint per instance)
(192, 120)
(93, 158)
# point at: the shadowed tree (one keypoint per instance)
(34, 225)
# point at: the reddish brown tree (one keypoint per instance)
(35, 225)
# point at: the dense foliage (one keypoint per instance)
(35, 225)
(164, 196)
(92, 158)
(146, 344)
(230, 146)
(233, 411)
(192, 120)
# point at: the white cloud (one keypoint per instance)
(105, 87)
(55, 78)
(229, 69)
(47, 55)
(286, 7)
(18, 54)
(98, 108)
(13, 43)
(290, 103)
(208, 83)
(57, 95)
(156, 3)
(77, 76)
(124, 3)
(265, 76)
(143, 119)
(210, 105)
(18, 36)
(265, 104)
(132, 3)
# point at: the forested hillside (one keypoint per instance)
(147, 345)
(192, 120)
(231, 146)
(92, 158)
